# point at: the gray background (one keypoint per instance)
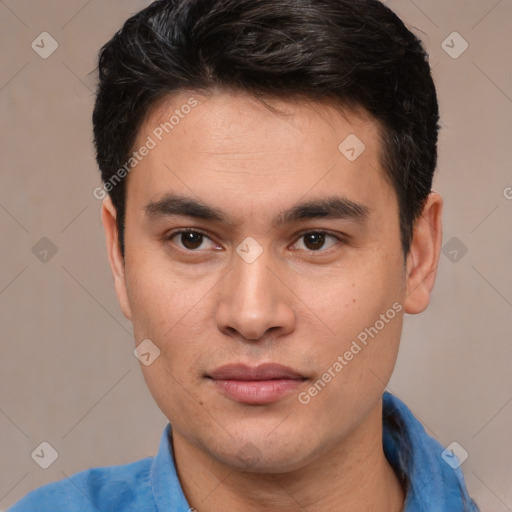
(67, 372)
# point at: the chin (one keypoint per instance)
(265, 464)
(260, 455)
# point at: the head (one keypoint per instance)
(298, 140)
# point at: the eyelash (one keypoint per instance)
(340, 240)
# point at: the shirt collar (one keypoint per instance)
(431, 484)
(165, 484)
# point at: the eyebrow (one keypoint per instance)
(332, 207)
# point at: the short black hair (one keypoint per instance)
(353, 53)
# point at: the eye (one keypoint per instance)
(315, 240)
(193, 240)
(190, 239)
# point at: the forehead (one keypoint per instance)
(212, 120)
(230, 144)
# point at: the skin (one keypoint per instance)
(293, 305)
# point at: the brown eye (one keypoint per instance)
(315, 240)
(189, 239)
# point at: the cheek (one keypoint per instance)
(160, 301)
(176, 398)
(175, 320)
(348, 304)
(364, 317)
(355, 364)
(175, 314)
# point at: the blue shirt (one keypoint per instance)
(152, 485)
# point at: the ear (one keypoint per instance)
(423, 257)
(108, 218)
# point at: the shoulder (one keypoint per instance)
(431, 479)
(125, 487)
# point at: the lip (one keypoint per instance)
(267, 371)
(257, 385)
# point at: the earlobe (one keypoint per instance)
(423, 257)
(108, 218)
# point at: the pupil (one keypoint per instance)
(191, 240)
(318, 240)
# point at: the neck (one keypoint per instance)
(354, 476)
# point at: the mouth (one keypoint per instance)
(258, 385)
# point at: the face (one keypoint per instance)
(264, 262)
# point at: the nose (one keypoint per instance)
(255, 301)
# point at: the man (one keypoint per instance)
(269, 220)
